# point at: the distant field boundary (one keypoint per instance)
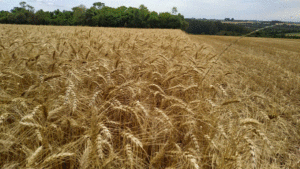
(293, 34)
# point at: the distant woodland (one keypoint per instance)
(97, 15)
(208, 27)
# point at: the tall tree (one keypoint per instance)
(79, 14)
(57, 12)
(98, 5)
(30, 8)
(144, 14)
(23, 4)
(153, 20)
(4, 16)
(42, 18)
(89, 15)
(174, 10)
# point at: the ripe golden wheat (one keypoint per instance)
(84, 97)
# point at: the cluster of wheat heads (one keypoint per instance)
(78, 97)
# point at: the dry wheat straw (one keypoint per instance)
(252, 152)
(39, 135)
(128, 150)
(159, 155)
(32, 159)
(53, 112)
(105, 132)
(57, 157)
(122, 98)
(249, 121)
(84, 160)
(32, 114)
(30, 124)
(191, 160)
(135, 141)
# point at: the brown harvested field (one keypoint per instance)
(81, 97)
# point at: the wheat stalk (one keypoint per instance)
(32, 159)
(57, 157)
(133, 139)
(84, 160)
(129, 153)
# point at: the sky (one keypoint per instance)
(284, 10)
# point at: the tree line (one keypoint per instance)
(97, 15)
(214, 28)
(279, 31)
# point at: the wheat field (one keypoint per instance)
(81, 97)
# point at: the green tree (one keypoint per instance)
(79, 15)
(18, 14)
(4, 16)
(98, 5)
(184, 24)
(42, 18)
(23, 4)
(30, 8)
(143, 16)
(60, 18)
(121, 14)
(89, 15)
(153, 20)
(164, 18)
(20, 18)
(134, 19)
(174, 10)
(56, 12)
(68, 17)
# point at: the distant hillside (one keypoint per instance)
(277, 29)
(210, 27)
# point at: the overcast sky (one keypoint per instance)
(285, 10)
